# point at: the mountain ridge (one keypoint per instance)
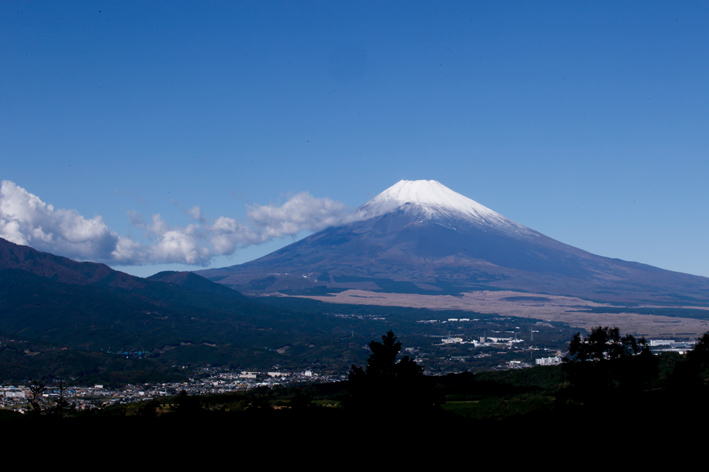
(422, 233)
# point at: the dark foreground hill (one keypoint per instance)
(509, 417)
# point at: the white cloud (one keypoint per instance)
(196, 213)
(226, 234)
(180, 245)
(26, 219)
(302, 212)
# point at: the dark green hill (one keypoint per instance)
(22, 360)
(171, 318)
(196, 283)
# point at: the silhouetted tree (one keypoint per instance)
(700, 354)
(386, 383)
(259, 398)
(604, 344)
(61, 404)
(692, 372)
(148, 410)
(302, 399)
(37, 388)
(604, 362)
(186, 405)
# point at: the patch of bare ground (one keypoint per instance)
(528, 305)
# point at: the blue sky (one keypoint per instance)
(246, 125)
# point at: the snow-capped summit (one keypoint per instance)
(430, 199)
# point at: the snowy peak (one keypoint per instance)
(430, 199)
(426, 193)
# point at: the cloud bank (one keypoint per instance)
(25, 219)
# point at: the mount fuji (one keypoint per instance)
(420, 237)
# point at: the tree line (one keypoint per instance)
(601, 368)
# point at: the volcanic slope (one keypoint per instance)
(422, 237)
